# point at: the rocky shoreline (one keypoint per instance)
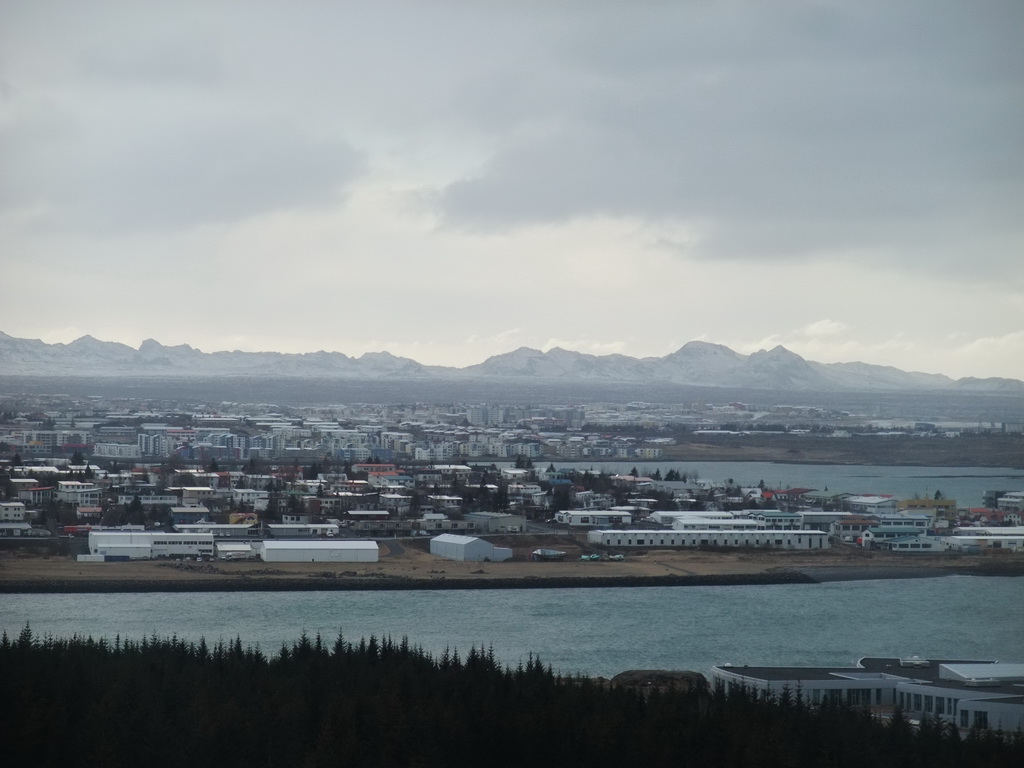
(386, 583)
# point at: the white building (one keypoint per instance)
(235, 550)
(914, 544)
(585, 517)
(221, 530)
(979, 694)
(306, 530)
(78, 493)
(497, 522)
(714, 524)
(871, 504)
(762, 539)
(1011, 502)
(116, 451)
(252, 497)
(467, 548)
(12, 512)
(975, 539)
(143, 545)
(873, 538)
(319, 551)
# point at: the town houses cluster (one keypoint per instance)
(128, 431)
(369, 471)
(386, 499)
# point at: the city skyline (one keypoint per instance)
(449, 182)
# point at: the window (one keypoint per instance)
(980, 720)
(917, 702)
(940, 705)
(963, 718)
(927, 703)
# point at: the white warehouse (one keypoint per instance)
(468, 548)
(761, 539)
(319, 551)
(143, 545)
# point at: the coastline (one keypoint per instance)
(412, 571)
(386, 584)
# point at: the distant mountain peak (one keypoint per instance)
(696, 363)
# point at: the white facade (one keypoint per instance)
(761, 539)
(467, 548)
(78, 493)
(221, 530)
(12, 512)
(714, 524)
(576, 517)
(668, 517)
(1011, 502)
(914, 544)
(980, 539)
(116, 451)
(319, 551)
(497, 522)
(968, 694)
(143, 545)
(289, 530)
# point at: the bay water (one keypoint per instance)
(588, 631)
(965, 484)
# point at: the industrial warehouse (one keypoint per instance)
(318, 551)
(467, 548)
(145, 545)
(121, 545)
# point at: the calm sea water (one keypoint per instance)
(589, 631)
(965, 484)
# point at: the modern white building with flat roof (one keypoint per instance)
(760, 538)
(966, 693)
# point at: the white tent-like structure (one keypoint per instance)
(282, 551)
(467, 548)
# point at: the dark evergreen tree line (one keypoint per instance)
(378, 702)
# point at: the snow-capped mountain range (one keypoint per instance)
(697, 363)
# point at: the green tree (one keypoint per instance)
(136, 511)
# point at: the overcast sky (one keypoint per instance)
(451, 180)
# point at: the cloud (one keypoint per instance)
(824, 328)
(789, 131)
(167, 170)
(453, 180)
